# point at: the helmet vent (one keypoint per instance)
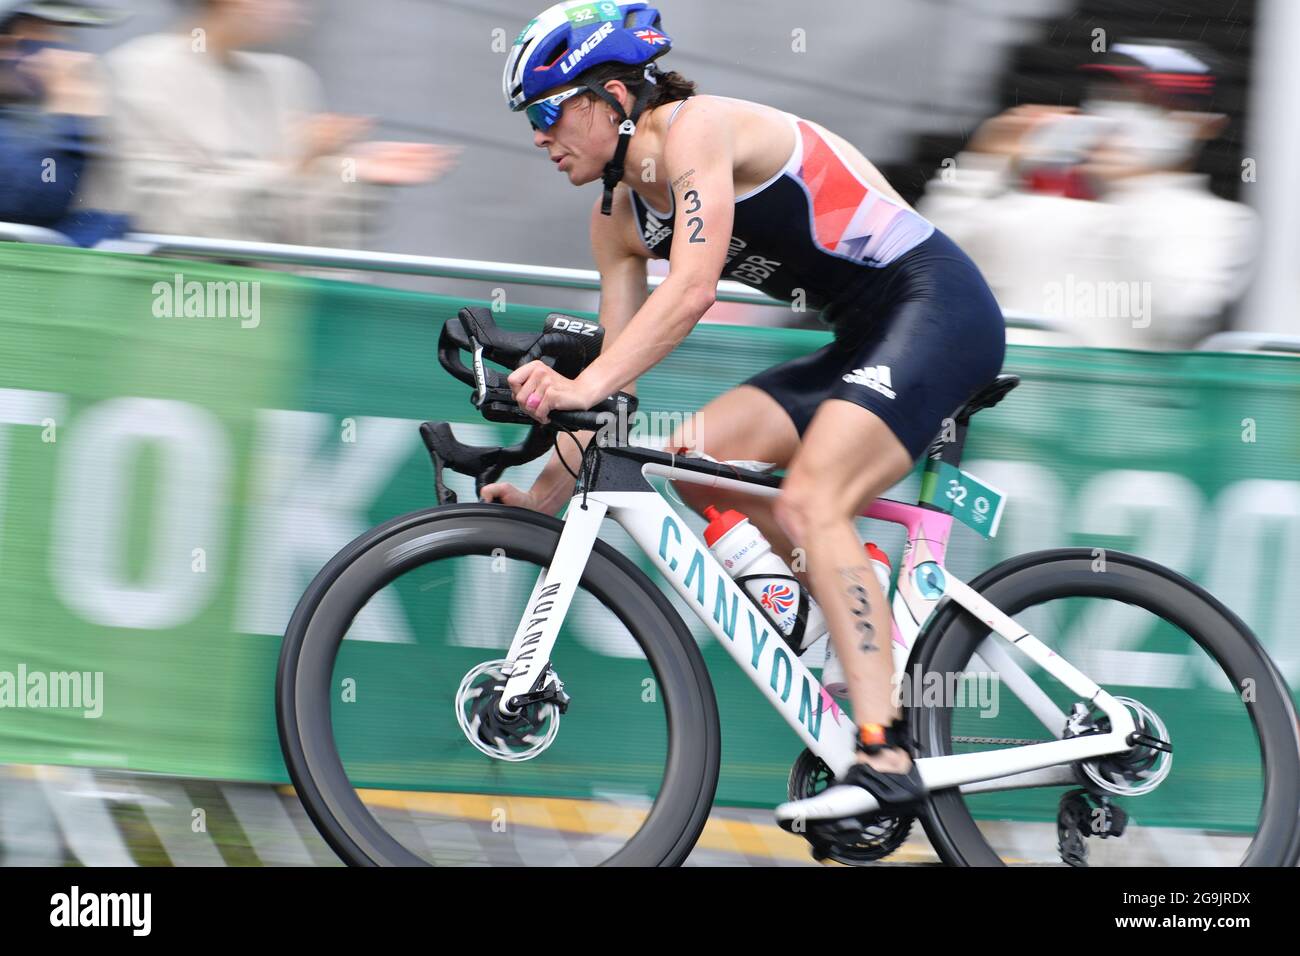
(562, 49)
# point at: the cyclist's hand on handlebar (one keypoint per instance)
(540, 390)
(502, 492)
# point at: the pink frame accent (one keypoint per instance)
(923, 525)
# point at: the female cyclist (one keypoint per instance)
(727, 188)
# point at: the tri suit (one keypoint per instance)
(917, 330)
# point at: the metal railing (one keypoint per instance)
(1251, 342)
(443, 268)
(393, 262)
(18, 232)
(478, 270)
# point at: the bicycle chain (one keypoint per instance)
(999, 741)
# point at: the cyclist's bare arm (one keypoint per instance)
(699, 159)
(641, 330)
(621, 261)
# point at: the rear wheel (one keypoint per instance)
(1230, 792)
(391, 738)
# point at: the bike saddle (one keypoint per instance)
(988, 396)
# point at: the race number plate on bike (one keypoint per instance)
(969, 500)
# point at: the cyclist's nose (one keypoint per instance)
(541, 139)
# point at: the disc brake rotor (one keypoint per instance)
(513, 737)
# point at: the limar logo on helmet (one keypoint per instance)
(589, 44)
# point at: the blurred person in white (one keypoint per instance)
(213, 140)
(1094, 217)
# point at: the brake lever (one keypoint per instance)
(480, 374)
(451, 342)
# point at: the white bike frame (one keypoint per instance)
(780, 675)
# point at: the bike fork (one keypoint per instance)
(530, 651)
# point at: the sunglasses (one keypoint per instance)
(546, 113)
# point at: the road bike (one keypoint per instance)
(551, 759)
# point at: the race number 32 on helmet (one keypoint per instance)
(569, 39)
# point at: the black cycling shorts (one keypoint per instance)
(924, 337)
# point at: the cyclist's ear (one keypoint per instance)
(618, 89)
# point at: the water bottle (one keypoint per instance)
(744, 552)
(832, 671)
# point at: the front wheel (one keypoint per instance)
(1189, 669)
(399, 759)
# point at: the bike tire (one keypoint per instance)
(952, 635)
(341, 589)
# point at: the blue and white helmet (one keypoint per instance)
(570, 38)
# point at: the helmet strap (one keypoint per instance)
(614, 169)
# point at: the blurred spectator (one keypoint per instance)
(50, 99)
(213, 140)
(1093, 216)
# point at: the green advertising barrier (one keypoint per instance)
(183, 445)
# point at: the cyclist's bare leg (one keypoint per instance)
(743, 424)
(828, 484)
